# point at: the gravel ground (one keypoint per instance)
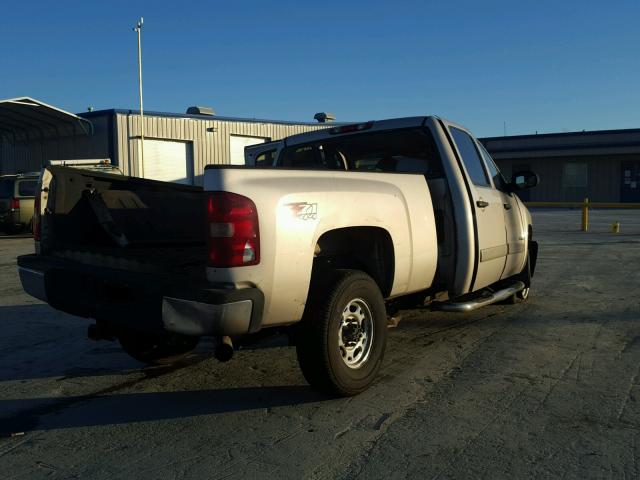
(544, 389)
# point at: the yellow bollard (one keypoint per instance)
(615, 227)
(585, 215)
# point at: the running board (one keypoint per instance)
(483, 301)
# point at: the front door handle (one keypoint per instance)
(507, 206)
(482, 204)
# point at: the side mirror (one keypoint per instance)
(523, 180)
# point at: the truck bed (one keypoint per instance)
(122, 222)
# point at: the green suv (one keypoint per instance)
(17, 194)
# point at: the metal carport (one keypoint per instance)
(32, 132)
(24, 118)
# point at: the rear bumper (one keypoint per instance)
(141, 301)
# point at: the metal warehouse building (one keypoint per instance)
(603, 166)
(176, 146)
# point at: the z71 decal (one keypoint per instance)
(304, 210)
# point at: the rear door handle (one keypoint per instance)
(482, 204)
(507, 206)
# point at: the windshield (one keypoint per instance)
(401, 151)
(27, 188)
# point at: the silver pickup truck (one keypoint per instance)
(324, 240)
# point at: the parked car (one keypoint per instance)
(347, 225)
(16, 201)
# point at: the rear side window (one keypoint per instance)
(310, 157)
(401, 151)
(265, 159)
(6, 187)
(27, 188)
(470, 157)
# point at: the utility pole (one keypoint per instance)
(138, 30)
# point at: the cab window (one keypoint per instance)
(401, 151)
(265, 159)
(311, 156)
(27, 188)
(470, 157)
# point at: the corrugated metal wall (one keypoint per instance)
(210, 137)
(116, 136)
(603, 175)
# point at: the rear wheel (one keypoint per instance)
(156, 349)
(343, 333)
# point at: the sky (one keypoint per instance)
(520, 66)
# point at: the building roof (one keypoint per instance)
(98, 113)
(597, 142)
(24, 118)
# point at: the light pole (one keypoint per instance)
(138, 30)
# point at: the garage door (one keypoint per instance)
(168, 161)
(237, 144)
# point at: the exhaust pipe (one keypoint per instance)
(224, 349)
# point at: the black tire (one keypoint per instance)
(156, 349)
(343, 333)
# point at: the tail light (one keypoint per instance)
(15, 204)
(35, 226)
(232, 230)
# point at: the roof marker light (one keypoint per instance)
(354, 127)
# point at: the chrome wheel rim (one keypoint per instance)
(355, 333)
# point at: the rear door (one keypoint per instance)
(491, 241)
(168, 160)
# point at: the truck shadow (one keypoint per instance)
(111, 407)
(101, 410)
(40, 342)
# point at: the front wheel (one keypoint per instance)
(156, 349)
(343, 333)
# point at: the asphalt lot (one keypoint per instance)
(544, 389)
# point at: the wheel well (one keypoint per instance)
(369, 249)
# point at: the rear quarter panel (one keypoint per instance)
(296, 207)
